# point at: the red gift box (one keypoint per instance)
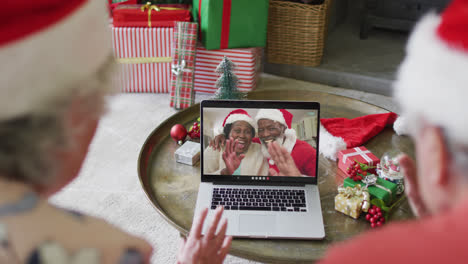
(248, 67)
(360, 154)
(145, 57)
(150, 15)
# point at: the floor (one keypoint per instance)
(349, 62)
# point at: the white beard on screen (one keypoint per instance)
(287, 140)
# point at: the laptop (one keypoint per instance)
(262, 198)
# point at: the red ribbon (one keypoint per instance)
(225, 24)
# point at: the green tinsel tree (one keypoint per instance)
(227, 82)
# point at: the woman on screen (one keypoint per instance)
(239, 156)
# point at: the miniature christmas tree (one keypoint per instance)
(227, 82)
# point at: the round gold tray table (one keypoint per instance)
(172, 187)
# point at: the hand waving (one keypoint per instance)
(231, 159)
(211, 248)
(411, 186)
(283, 161)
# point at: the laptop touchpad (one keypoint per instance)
(257, 224)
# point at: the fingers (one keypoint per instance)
(197, 226)
(214, 225)
(409, 170)
(222, 232)
(272, 172)
(241, 157)
(225, 247)
(233, 145)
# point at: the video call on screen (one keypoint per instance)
(243, 142)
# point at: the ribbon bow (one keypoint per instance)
(356, 192)
(180, 68)
(371, 180)
(148, 6)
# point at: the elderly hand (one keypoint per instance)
(211, 248)
(283, 161)
(218, 142)
(408, 167)
(230, 157)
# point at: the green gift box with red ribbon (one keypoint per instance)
(231, 23)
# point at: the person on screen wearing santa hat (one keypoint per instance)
(431, 87)
(240, 156)
(56, 62)
(286, 155)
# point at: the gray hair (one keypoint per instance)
(27, 142)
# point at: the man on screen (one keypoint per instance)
(286, 155)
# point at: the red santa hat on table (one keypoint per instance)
(341, 133)
(46, 46)
(432, 81)
(239, 115)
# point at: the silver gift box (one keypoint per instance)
(188, 153)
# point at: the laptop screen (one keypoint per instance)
(259, 141)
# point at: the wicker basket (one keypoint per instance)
(296, 32)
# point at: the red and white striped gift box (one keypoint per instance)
(145, 58)
(247, 61)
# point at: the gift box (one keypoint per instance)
(231, 24)
(150, 15)
(145, 58)
(188, 153)
(381, 189)
(359, 154)
(248, 67)
(352, 201)
(183, 64)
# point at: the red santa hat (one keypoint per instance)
(432, 80)
(47, 46)
(239, 115)
(341, 133)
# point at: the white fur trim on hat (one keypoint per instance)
(272, 114)
(240, 117)
(329, 145)
(433, 79)
(44, 65)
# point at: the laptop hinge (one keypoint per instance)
(261, 183)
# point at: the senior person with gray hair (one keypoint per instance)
(432, 89)
(56, 63)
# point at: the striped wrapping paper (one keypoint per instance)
(183, 65)
(248, 67)
(145, 57)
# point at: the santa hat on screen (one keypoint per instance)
(432, 81)
(233, 116)
(342, 133)
(283, 117)
(46, 46)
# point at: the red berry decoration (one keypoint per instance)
(375, 216)
(194, 131)
(178, 133)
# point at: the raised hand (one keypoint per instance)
(230, 157)
(409, 170)
(211, 248)
(283, 161)
(218, 142)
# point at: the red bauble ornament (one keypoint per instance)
(178, 133)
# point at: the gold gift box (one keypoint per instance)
(352, 201)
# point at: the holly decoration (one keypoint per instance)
(357, 170)
(194, 131)
(375, 216)
(178, 133)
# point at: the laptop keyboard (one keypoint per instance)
(259, 199)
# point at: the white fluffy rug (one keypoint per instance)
(108, 185)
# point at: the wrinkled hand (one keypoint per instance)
(211, 248)
(283, 161)
(409, 170)
(231, 159)
(218, 142)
